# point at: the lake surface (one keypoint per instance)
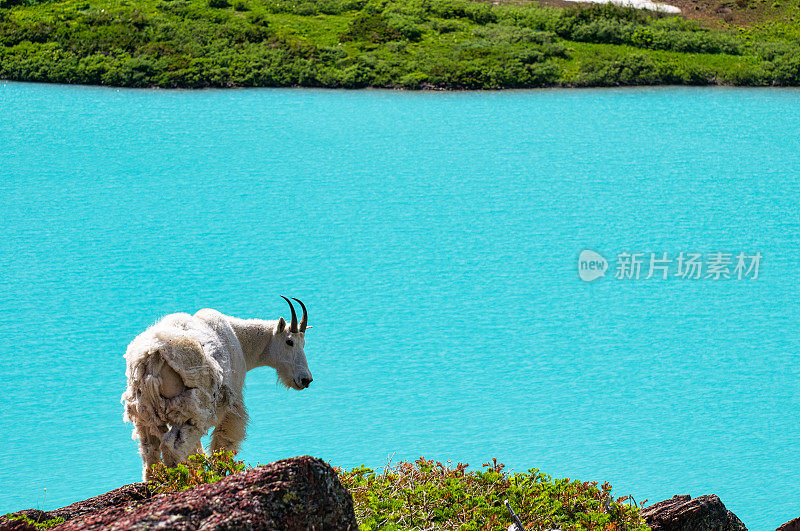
(435, 239)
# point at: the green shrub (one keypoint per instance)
(405, 27)
(786, 69)
(370, 27)
(197, 470)
(430, 495)
(306, 9)
(445, 26)
(477, 12)
(218, 4)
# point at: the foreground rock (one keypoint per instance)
(791, 525)
(291, 494)
(127, 496)
(684, 513)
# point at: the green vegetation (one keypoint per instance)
(430, 495)
(46, 524)
(197, 470)
(453, 44)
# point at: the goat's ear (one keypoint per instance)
(281, 325)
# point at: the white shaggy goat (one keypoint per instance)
(186, 376)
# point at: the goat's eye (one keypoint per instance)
(290, 342)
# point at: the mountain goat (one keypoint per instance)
(186, 375)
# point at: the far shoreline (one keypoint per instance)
(436, 45)
(299, 88)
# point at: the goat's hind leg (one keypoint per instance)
(180, 442)
(149, 446)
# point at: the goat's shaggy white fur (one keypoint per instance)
(186, 375)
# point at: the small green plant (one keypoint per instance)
(197, 470)
(46, 524)
(431, 495)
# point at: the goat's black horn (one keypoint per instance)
(293, 325)
(304, 319)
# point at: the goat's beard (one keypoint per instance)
(286, 381)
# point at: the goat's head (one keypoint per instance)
(287, 348)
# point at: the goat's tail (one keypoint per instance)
(147, 404)
(142, 399)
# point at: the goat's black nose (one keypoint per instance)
(306, 381)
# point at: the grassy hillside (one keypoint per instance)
(453, 44)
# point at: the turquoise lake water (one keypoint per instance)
(434, 238)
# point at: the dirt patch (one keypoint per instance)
(713, 13)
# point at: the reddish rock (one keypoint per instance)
(291, 494)
(121, 497)
(791, 525)
(17, 525)
(124, 496)
(684, 513)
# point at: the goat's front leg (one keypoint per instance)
(229, 434)
(149, 447)
(180, 442)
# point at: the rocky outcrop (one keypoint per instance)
(291, 494)
(684, 513)
(791, 525)
(122, 497)
(126, 496)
